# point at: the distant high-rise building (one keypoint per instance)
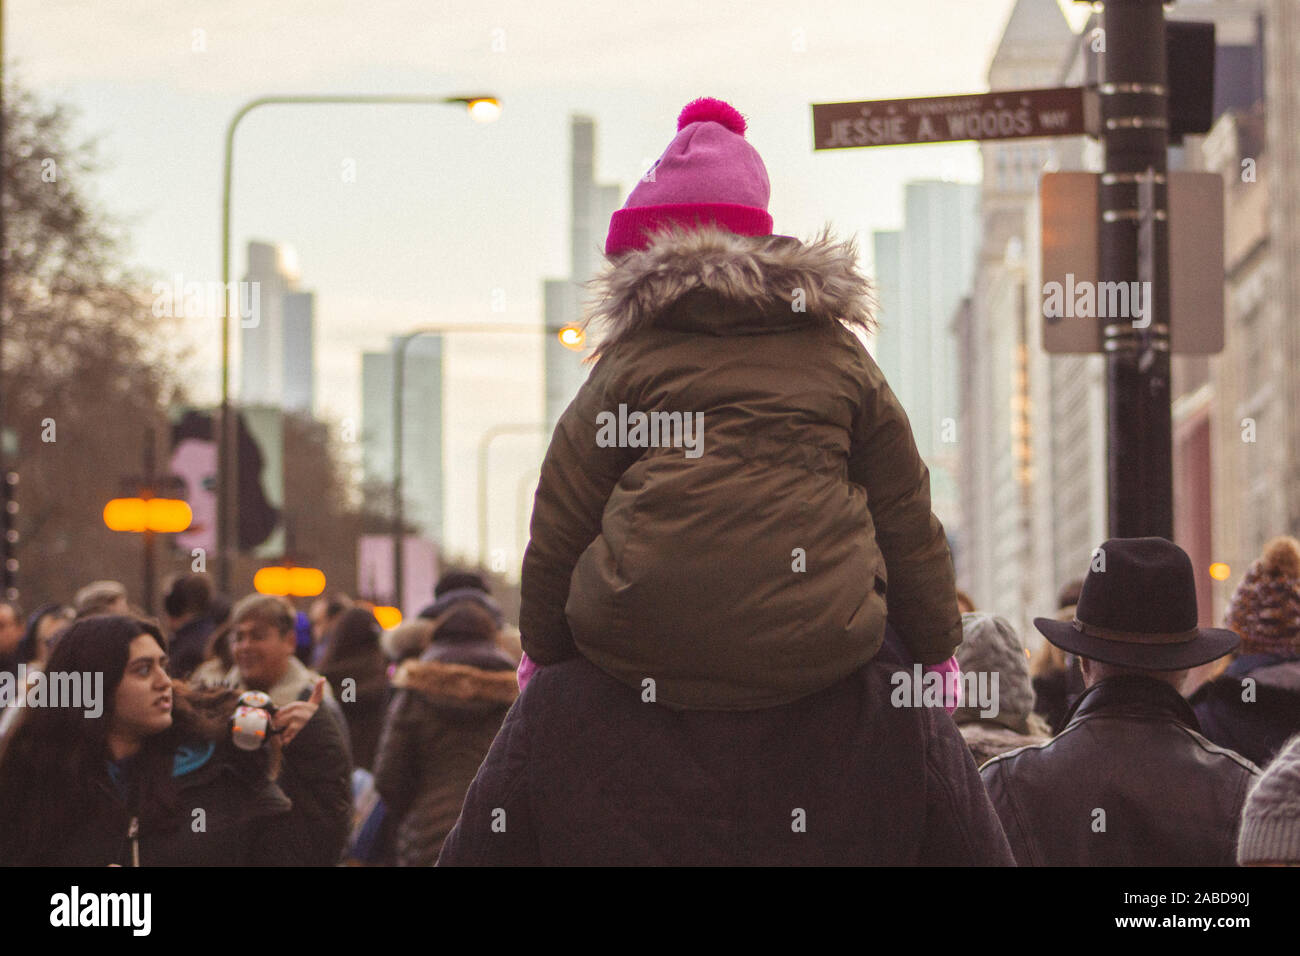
(1197, 393)
(422, 478)
(922, 272)
(591, 205)
(886, 254)
(299, 352)
(1005, 438)
(277, 354)
(1236, 445)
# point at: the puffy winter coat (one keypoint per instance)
(749, 560)
(447, 709)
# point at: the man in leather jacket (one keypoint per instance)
(1130, 780)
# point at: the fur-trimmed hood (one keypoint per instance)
(458, 685)
(777, 280)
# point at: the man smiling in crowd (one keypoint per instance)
(317, 769)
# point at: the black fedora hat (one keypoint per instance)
(1137, 609)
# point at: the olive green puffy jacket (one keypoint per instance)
(745, 565)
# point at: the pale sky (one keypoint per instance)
(444, 210)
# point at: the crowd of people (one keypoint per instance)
(378, 736)
(370, 740)
(745, 650)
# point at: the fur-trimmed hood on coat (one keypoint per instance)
(458, 686)
(776, 276)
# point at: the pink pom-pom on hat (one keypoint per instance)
(707, 109)
(709, 175)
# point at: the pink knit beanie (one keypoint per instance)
(708, 174)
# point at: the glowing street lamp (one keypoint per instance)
(139, 515)
(147, 517)
(483, 109)
(572, 337)
(289, 581)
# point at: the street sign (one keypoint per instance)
(1007, 114)
(1070, 266)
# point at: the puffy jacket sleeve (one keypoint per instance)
(577, 478)
(883, 459)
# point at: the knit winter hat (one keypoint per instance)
(1270, 821)
(708, 174)
(1265, 608)
(990, 645)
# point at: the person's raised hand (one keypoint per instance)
(293, 716)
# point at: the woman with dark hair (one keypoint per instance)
(353, 654)
(143, 774)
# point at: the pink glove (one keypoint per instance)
(526, 671)
(950, 672)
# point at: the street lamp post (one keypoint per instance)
(482, 108)
(571, 336)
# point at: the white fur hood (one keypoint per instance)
(816, 281)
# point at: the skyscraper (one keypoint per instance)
(277, 354)
(591, 205)
(1009, 418)
(422, 473)
(922, 273)
(299, 352)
